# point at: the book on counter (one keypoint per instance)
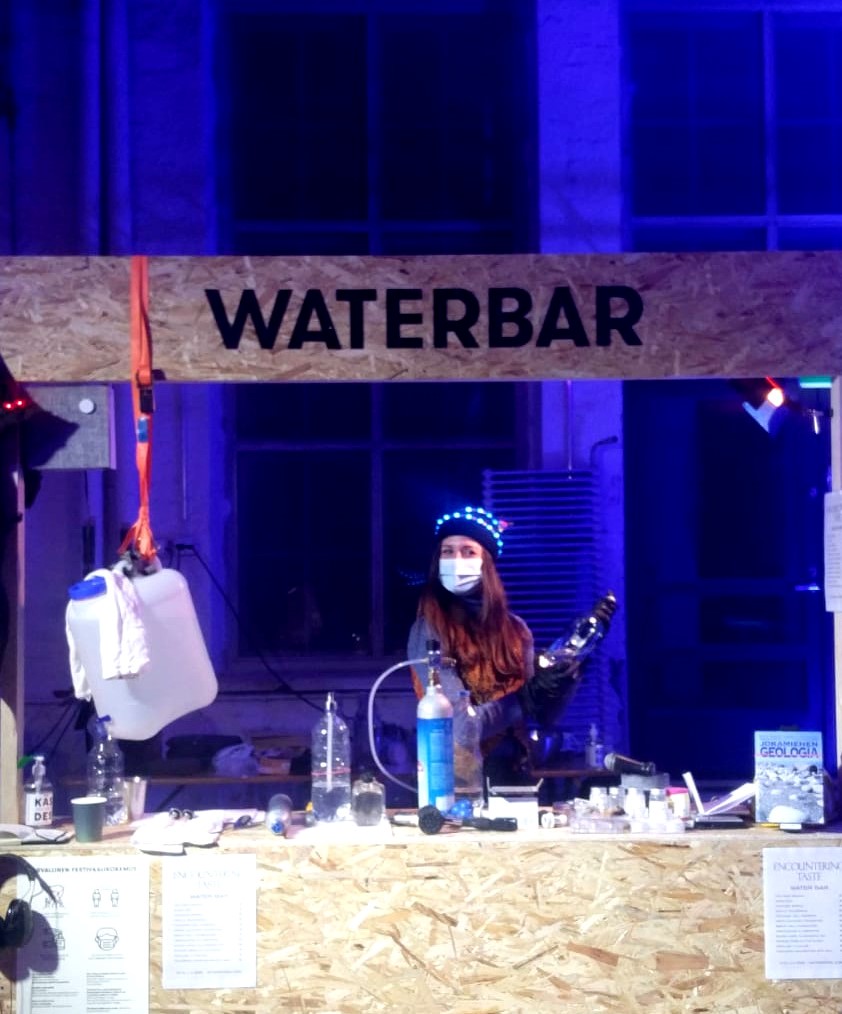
(789, 778)
(721, 809)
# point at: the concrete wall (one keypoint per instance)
(579, 131)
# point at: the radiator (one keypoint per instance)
(550, 567)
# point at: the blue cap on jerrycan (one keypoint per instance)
(87, 589)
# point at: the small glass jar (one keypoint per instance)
(598, 798)
(658, 812)
(368, 800)
(634, 802)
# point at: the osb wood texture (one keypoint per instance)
(481, 923)
(706, 314)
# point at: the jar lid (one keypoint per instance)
(87, 589)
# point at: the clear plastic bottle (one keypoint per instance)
(38, 796)
(330, 772)
(434, 731)
(106, 769)
(467, 753)
(586, 633)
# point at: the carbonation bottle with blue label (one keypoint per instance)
(435, 738)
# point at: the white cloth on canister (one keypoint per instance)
(124, 653)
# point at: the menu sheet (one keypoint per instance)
(802, 909)
(209, 921)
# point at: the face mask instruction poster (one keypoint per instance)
(89, 949)
(802, 912)
(209, 921)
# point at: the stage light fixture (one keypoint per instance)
(763, 399)
(770, 404)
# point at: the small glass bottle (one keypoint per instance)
(594, 750)
(634, 802)
(658, 812)
(38, 796)
(368, 800)
(467, 753)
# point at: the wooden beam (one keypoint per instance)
(516, 317)
(11, 625)
(836, 484)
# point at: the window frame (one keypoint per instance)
(772, 222)
(522, 225)
(354, 671)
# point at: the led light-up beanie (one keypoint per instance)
(474, 523)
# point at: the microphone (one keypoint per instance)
(620, 765)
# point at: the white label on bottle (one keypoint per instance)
(38, 811)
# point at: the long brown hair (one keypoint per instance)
(487, 642)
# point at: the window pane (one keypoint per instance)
(759, 508)
(470, 241)
(298, 115)
(448, 412)
(304, 550)
(808, 66)
(745, 619)
(276, 241)
(697, 114)
(681, 237)
(742, 684)
(329, 411)
(450, 136)
(808, 237)
(808, 167)
(339, 127)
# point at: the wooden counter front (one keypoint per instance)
(391, 920)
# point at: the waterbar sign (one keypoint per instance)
(470, 317)
(506, 316)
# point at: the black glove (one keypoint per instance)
(547, 694)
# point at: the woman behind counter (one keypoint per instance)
(463, 606)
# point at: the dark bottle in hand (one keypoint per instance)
(587, 631)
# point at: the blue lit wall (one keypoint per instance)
(138, 127)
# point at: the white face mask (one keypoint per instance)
(459, 575)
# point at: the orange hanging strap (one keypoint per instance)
(139, 536)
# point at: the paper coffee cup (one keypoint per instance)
(88, 817)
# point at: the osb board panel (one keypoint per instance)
(486, 923)
(714, 314)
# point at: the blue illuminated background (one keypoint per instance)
(466, 126)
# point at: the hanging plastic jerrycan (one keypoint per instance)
(179, 677)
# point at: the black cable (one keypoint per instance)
(67, 718)
(186, 547)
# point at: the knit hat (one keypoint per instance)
(474, 523)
